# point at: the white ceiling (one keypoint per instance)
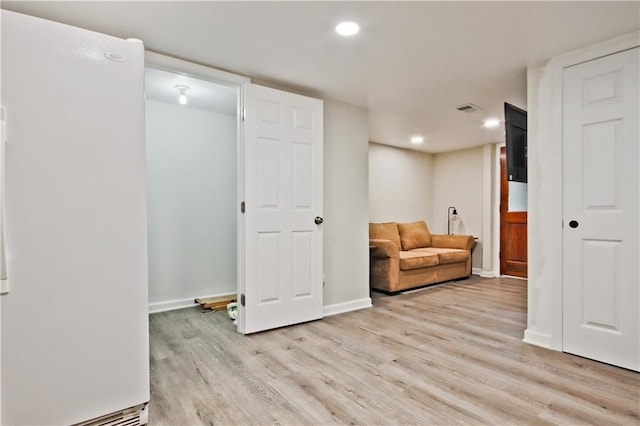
(161, 86)
(411, 64)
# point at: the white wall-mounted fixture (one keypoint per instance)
(347, 28)
(491, 122)
(417, 139)
(183, 97)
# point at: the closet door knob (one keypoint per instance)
(573, 224)
(318, 220)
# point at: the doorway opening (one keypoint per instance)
(513, 223)
(192, 132)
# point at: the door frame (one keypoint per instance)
(496, 209)
(546, 282)
(504, 210)
(180, 66)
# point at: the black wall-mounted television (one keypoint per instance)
(515, 124)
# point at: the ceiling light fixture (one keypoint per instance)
(347, 28)
(417, 139)
(183, 97)
(492, 122)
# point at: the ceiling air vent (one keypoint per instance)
(468, 108)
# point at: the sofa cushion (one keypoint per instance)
(415, 260)
(445, 255)
(414, 235)
(385, 231)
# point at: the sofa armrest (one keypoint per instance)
(463, 242)
(384, 248)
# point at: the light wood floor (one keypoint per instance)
(450, 354)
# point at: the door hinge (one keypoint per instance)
(242, 301)
(242, 207)
(244, 114)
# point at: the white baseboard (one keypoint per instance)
(340, 308)
(171, 305)
(476, 271)
(488, 274)
(537, 339)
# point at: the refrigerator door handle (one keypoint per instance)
(4, 281)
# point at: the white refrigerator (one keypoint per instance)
(74, 323)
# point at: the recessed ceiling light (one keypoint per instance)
(347, 28)
(417, 139)
(492, 122)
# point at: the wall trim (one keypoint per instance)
(172, 305)
(487, 274)
(537, 339)
(340, 308)
(476, 271)
(487, 206)
(172, 64)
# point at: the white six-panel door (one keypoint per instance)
(601, 226)
(283, 136)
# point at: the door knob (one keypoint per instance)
(574, 224)
(318, 220)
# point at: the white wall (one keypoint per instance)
(346, 212)
(545, 209)
(400, 184)
(458, 182)
(408, 185)
(191, 163)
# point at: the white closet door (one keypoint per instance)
(283, 195)
(601, 188)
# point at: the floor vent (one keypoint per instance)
(134, 416)
(468, 108)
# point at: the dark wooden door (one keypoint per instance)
(513, 230)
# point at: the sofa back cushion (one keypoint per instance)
(414, 235)
(385, 231)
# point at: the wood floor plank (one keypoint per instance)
(447, 354)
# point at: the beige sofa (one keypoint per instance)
(407, 255)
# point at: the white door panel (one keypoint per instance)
(283, 195)
(601, 191)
